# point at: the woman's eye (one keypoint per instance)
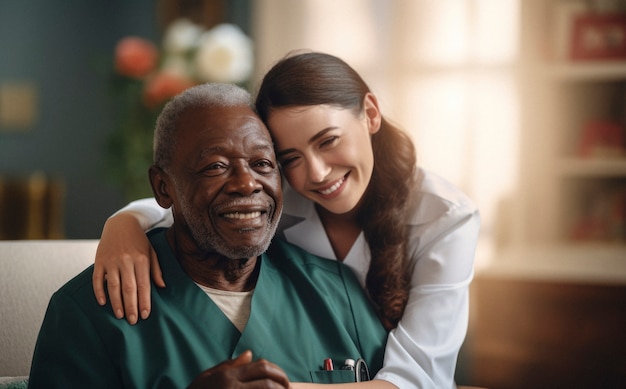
(329, 141)
(288, 161)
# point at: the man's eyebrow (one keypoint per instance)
(313, 139)
(210, 151)
(264, 146)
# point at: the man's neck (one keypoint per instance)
(216, 271)
(235, 275)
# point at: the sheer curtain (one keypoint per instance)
(445, 70)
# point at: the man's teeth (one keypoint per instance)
(332, 188)
(238, 215)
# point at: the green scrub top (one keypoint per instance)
(304, 309)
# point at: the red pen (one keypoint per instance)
(328, 364)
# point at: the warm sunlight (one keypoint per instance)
(445, 71)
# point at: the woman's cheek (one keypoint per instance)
(295, 177)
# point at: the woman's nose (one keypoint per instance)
(318, 169)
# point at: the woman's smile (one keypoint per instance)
(333, 189)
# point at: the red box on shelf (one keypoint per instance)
(599, 37)
(602, 139)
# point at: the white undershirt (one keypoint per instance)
(235, 305)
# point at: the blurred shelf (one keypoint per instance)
(586, 71)
(603, 263)
(592, 167)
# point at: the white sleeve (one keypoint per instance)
(422, 351)
(149, 213)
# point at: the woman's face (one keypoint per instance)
(326, 151)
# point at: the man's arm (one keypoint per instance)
(69, 353)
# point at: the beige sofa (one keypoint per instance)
(30, 272)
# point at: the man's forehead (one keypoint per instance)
(219, 117)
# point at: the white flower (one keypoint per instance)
(181, 36)
(224, 55)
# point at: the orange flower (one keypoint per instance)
(162, 86)
(135, 57)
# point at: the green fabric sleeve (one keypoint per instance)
(70, 342)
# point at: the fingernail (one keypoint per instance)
(118, 313)
(101, 301)
(144, 314)
(132, 319)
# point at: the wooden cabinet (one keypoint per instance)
(540, 333)
(548, 318)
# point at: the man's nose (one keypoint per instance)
(242, 180)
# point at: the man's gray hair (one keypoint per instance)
(204, 95)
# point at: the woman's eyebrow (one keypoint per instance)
(321, 133)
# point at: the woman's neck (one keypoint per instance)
(342, 230)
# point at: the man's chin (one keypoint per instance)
(243, 252)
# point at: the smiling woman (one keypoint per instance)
(408, 235)
(329, 136)
(446, 70)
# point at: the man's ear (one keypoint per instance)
(372, 113)
(159, 180)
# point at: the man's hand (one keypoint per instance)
(241, 372)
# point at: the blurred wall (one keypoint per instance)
(60, 52)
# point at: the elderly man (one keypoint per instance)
(229, 297)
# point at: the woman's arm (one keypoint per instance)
(125, 259)
(422, 351)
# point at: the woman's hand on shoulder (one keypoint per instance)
(125, 260)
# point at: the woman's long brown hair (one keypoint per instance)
(316, 78)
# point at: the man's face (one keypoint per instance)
(227, 193)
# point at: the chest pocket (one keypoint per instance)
(333, 376)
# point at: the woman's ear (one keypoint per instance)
(372, 112)
(159, 181)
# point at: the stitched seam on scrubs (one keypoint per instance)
(354, 319)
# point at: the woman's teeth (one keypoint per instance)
(237, 215)
(332, 188)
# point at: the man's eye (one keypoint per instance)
(214, 169)
(264, 165)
